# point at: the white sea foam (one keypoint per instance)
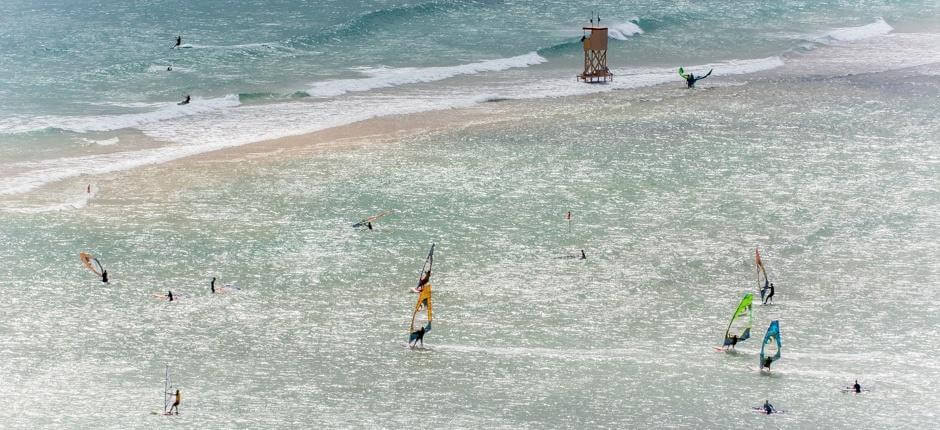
(624, 30)
(848, 34)
(83, 124)
(103, 142)
(390, 77)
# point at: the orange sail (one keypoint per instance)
(87, 260)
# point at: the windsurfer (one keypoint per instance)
(418, 336)
(104, 276)
(583, 256)
(770, 297)
(768, 408)
(179, 41)
(766, 363)
(176, 403)
(734, 340)
(212, 285)
(186, 100)
(425, 278)
(857, 388)
(369, 224)
(169, 295)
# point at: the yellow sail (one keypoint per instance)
(424, 298)
(87, 261)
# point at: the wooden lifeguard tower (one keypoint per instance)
(595, 54)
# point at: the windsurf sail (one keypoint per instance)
(91, 263)
(741, 321)
(372, 218)
(771, 347)
(760, 270)
(682, 73)
(424, 302)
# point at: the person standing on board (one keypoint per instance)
(766, 363)
(857, 388)
(770, 297)
(425, 278)
(179, 41)
(419, 337)
(169, 295)
(768, 408)
(734, 340)
(369, 224)
(176, 403)
(212, 285)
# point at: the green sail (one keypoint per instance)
(741, 321)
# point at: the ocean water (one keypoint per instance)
(815, 139)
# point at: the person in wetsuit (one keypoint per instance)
(104, 276)
(734, 340)
(583, 256)
(767, 362)
(768, 408)
(857, 388)
(770, 297)
(369, 224)
(169, 295)
(185, 101)
(212, 285)
(690, 78)
(179, 41)
(418, 337)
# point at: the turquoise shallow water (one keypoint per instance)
(833, 176)
(824, 155)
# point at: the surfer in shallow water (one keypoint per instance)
(690, 78)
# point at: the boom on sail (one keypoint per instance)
(770, 350)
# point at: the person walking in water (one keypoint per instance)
(690, 78)
(770, 297)
(176, 403)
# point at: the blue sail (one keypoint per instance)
(771, 347)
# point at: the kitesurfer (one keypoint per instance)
(857, 388)
(770, 297)
(418, 336)
(185, 101)
(212, 285)
(169, 296)
(690, 78)
(176, 403)
(768, 408)
(179, 41)
(583, 257)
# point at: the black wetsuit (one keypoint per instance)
(767, 362)
(583, 256)
(369, 224)
(212, 285)
(857, 388)
(734, 341)
(419, 336)
(690, 79)
(179, 40)
(771, 295)
(169, 295)
(104, 276)
(768, 408)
